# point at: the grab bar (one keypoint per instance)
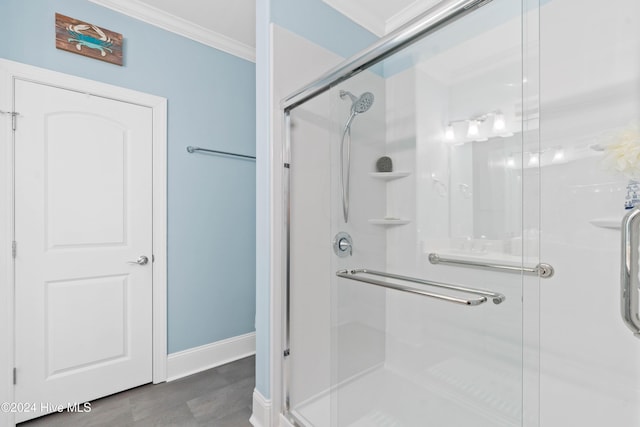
(352, 274)
(543, 270)
(629, 271)
(191, 149)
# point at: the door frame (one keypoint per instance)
(9, 72)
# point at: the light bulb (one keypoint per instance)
(449, 135)
(473, 129)
(498, 123)
(558, 157)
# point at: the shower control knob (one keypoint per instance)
(343, 245)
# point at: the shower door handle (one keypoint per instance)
(629, 271)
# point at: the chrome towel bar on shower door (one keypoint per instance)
(354, 275)
(630, 305)
(543, 270)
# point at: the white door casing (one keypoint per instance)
(111, 285)
(83, 211)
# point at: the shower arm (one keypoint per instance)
(629, 282)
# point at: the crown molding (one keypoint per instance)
(180, 26)
(405, 15)
(360, 16)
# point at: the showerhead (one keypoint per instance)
(358, 106)
(361, 104)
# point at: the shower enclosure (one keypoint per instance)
(456, 202)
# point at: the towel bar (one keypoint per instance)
(353, 275)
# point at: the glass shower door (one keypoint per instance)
(414, 265)
(428, 305)
(590, 116)
(457, 230)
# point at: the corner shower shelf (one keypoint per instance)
(388, 176)
(395, 221)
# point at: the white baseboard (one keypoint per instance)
(261, 416)
(209, 356)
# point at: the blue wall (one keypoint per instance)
(324, 26)
(211, 101)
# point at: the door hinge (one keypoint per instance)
(287, 165)
(15, 376)
(14, 249)
(287, 352)
(14, 120)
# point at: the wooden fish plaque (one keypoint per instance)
(88, 39)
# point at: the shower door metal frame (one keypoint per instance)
(435, 18)
(439, 16)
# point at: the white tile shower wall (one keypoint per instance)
(456, 352)
(404, 322)
(310, 258)
(337, 326)
(411, 128)
(359, 322)
(297, 61)
(433, 170)
(401, 147)
(367, 198)
(590, 86)
(359, 308)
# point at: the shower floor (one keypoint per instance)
(453, 393)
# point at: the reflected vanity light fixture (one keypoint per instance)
(473, 127)
(558, 156)
(498, 122)
(449, 135)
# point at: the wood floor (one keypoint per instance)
(219, 397)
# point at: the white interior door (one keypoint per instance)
(83, 216)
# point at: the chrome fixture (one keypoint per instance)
(442, 14)
(359, 105)
(343, 244)
(473, 126)
(629, 281)
(142, 260)
(543, 270)
(353, 275)
(191, 149)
